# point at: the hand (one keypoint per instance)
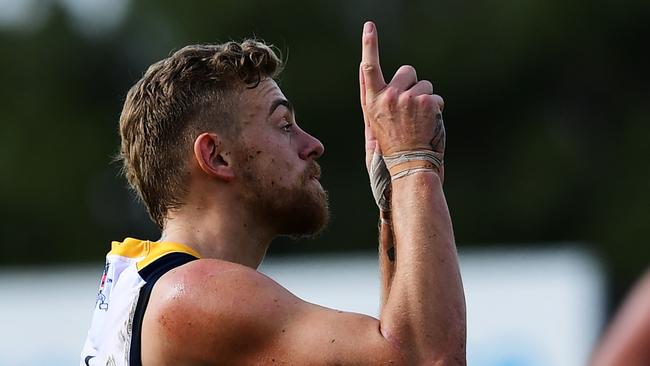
(377, 170)
(400, 116)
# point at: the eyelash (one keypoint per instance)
(287, 127)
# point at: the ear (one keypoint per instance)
(207, 152)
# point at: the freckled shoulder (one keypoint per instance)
(208, 308)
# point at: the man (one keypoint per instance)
(212, 147)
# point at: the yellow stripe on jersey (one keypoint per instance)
(130, 248)
(148, 251)
(158, 249)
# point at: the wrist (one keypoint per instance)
(406, 163)
(385, 217)
(415, 180)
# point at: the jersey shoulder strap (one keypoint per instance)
(160, 259)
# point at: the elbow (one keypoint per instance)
(449, 357)
(446, 353)
(439, 346)
(456, 359)
(451, 351)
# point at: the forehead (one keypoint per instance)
(255, 103)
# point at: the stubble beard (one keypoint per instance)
(300, 210)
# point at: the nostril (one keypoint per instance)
(313, 149)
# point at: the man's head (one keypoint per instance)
(188, 109)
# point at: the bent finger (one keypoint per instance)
(439, 102)
(405, 77)
(422, 87)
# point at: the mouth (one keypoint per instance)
(314, 172)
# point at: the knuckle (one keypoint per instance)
(439, 102)
(390, 95)
(406, 99)
(407, 94)
(368, 66)
(426, 102)
(388, 98)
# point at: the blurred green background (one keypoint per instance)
(547, 115)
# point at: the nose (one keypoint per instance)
(311, 148)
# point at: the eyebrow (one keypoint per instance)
(278, 102)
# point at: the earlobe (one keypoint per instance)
(208, 155)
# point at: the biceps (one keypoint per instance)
(314, 335)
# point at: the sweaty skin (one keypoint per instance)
(221, 311)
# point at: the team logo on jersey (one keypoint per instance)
(102, 300)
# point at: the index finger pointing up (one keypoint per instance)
(374, 80)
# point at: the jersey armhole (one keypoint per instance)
(150, 274)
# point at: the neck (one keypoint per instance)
(233, 236)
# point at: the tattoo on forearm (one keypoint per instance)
(438, 140)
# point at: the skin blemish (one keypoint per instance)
(284, 330)
(258, 152)
(179, 289)
(333, 340)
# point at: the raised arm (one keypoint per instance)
(214, 312)
(425, 306)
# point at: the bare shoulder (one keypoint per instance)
(215, 312)
(208, 304)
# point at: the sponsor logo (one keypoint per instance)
(101, 300)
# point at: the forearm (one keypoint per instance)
(425, 310)
(386, 255)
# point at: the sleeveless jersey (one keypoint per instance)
(132, 268)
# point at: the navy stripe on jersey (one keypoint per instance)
(150, 274)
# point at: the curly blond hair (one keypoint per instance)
(188, 93)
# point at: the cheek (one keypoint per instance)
(268, 163)
(271, 157)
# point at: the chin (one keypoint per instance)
(304, 214)
(299, 210)
(309, 218)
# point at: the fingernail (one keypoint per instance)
(368, 27)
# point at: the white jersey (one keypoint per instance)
(132, 268)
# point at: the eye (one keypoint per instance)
(287, 127)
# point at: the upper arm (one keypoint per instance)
(229, 314)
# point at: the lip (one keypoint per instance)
(314, 171)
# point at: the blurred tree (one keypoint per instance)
(547, 110)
